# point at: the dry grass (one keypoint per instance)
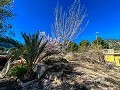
(96, 71)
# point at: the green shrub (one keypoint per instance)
(18, 71)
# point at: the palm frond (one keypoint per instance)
(40, 50)
(15, 54)
(10, 41)
(33, 46)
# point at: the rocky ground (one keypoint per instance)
(82, 71)
(96, 74)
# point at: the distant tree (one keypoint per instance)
(68, 25)
(5, 15)
(105, 45)
(99, 43)
(72, 47)
(84, 45)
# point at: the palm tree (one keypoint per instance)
(31, 50)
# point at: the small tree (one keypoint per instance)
(68, 25)
(84, 45)
(72, 47)
(100, 44)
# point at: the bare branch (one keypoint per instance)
(68, 25)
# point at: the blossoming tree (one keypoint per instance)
(68, 25)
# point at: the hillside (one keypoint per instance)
(95, 74)
(81, 71)
(114, 44)
(5, 45)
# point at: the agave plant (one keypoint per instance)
(31, 50)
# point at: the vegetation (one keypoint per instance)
(72, 47)
(84, 45)
(78, 71)
(30, 51)
(100, 44)
(6, 45)
(2, 49)
(5, 15)
(68, 25)
(18, 71)
(114, 44)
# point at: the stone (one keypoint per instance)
(41, 68)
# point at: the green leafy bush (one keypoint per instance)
(18, 71)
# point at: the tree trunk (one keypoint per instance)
(30, 74)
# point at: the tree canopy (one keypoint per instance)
(5, 15)
(72, 47)
(69, 24)
(101, 43)
(84, 43)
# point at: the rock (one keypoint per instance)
(59, 67)
(27, 84)
(70, 57)
(109, 65)
(9, 84)
(19, 61)
(54, 59)
(41, 68)
(56, 82)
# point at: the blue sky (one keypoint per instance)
(32, 15)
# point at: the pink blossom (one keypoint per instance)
(53, 45)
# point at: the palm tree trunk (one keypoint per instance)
(30, 74)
